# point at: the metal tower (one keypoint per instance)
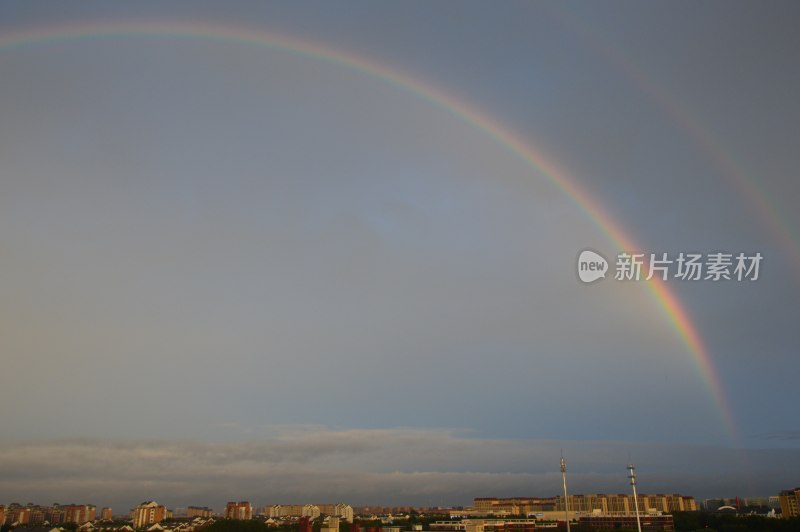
(564, 479)
(632, 476)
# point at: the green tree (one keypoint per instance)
(236, 525)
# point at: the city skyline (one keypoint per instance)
(151, 512)
(330, 251)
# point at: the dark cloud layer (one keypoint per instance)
(413, 466)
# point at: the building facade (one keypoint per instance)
(590, 504)
(486, 525)
(340, 510)
(239, 510)
(148, 513)
(790, 503)
(331, 525)
(79, 513)
(199, 511)
(55, 515)
(16, 513)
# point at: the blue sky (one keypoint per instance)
(225, 247)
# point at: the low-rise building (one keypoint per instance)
(627, 522)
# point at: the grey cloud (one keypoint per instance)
(414, 466)
(780, 435)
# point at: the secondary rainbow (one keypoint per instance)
(755, 196)
(666, 300)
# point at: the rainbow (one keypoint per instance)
(666, 300)
(754, 195)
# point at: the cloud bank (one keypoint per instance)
(379, 466)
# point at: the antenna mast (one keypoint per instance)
(632, 476)
(564, 479)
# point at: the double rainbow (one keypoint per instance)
(666, 300)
